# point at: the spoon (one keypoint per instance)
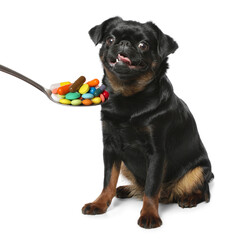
(46, 91)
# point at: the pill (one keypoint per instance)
(60, 96)
(99, 90)
(55, 97)
(64, 83)
(102, 87)
(57, 85)
(63, 90)
(102, 97)
(87, 102)
(76, 102)
(92, 90)
(84, 88)
(77, 84)
(54, 91)
(106, 94)
(87, 96)
(96, 100)
(65, 101)
(72, 96)
(93, 83)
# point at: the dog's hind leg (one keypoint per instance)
(192, 189)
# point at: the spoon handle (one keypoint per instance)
(22, 77)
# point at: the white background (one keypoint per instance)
(51, 156)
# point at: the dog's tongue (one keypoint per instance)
(124, 59)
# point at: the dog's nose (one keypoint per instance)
(125, 43)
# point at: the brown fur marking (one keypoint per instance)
(189, 182)
(169, 192)
(135, 189)
(187, 185)
(139, 85)
(101, 204)
(149, 214)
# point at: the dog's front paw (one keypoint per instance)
(94, 208)
(149, 221)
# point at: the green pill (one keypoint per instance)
(76, 102)
(72, 96)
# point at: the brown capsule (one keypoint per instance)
(77, 84)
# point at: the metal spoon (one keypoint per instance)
(46, 91)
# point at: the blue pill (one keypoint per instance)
(92, 90)
(87, 95)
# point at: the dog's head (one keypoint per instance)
(131, 52)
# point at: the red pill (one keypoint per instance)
(64, 89)
(106, 94)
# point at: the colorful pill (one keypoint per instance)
(77, 84)
(65, 101)
(102, 97)
(76, 102)
(102, 87)
(93, 83)
(96, 100)
(92, 90)
(84, 88)
(72, 96)
(60, 96)
(99, 90)
(87, 102)
(57, 85)
(54, 91)
(64, 83)
(87, 96)
(106, 94)
(63, 90)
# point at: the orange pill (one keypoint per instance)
(64, 89)
(87, 102)
(93, 83)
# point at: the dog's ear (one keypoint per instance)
(165, 44)
(97, 32)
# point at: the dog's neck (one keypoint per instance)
(153, 98)
(128, 90)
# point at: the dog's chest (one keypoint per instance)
(126, 136)
(131, 145)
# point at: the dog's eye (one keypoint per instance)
(143, 46)
(110, 41)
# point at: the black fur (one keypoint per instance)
(150, 129)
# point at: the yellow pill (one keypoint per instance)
(96, 100)
(64, 83)
(65, 101)
(84, 88)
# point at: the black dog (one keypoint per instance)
(148, 132)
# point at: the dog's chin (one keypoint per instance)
(122, 68)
